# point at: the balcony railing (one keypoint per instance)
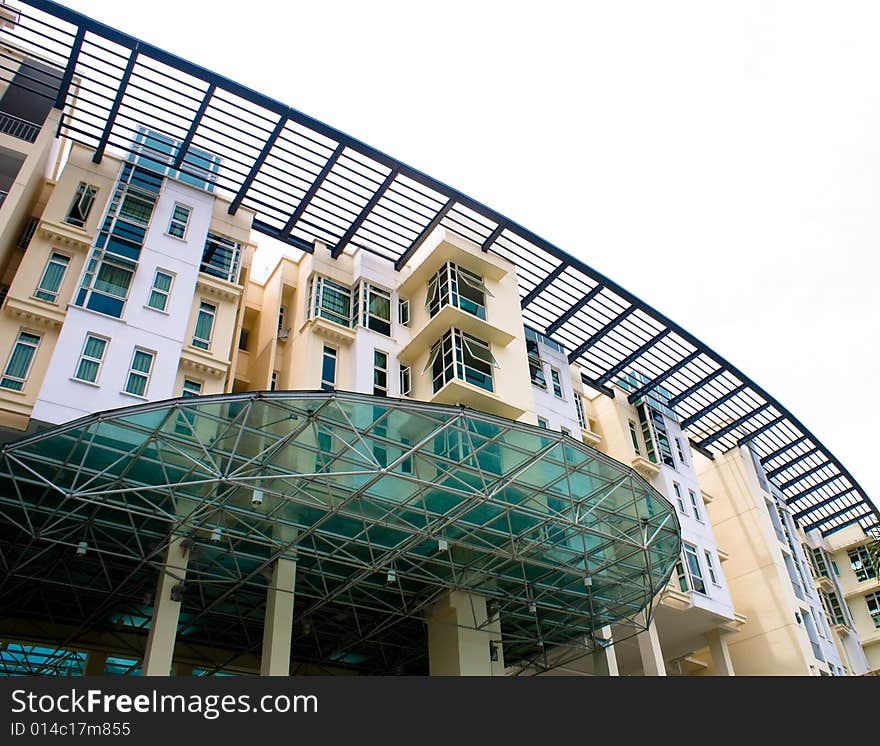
(18, 128)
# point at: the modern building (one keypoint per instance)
(425, 441)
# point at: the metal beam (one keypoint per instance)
(657, 380)
(679, 398)
(426, 231)
(803, 476)
(197, 120)
(114, 109)
(732, 426)
(851, 521)
(542, 286)
(700, 413)
(634, 355)
(272, 232)
(779, 469)
(837, 514)
(819, 505)
(594, 291)
(313, 190)
(257, 165)
(493, 236)
(610, 326)
(755, 433)
(784, 449)
(67, 78)
(814, 488)
(358, 221)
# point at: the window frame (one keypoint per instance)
(866, 570)
(326, 383)
(452, 285)
(132, 372)
(452, 351)
(556, 383)
(34, 347)
(174, 221)
(318, 286)
(53, 293)
(198, 341)
(83, 358)
(403, 309)
(363, 293)
(710, 566)
(87, 192)
(690, 551)
(405, 380)
(380, 373)
(159, 291)
(874, 614)
(679, 498)
(694, 498)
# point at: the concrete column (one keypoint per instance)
(721, 663)
(278, 627)
(166, 611)
(462, 639)
(649, 649)
(96, 660)
(605, 658)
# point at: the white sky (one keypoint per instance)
(719, 160)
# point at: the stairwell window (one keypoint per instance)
(179, 220)
(53, 276)
(161, 290)
(204, 326)
(90, 359)
(138, 379)
(20, 360)
(81, 206)
(456, 286)
(329, 300)
(460, 355)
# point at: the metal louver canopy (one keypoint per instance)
(307, 181)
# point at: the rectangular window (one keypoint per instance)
(403, 312)
(329, 300)
(161, 290)
(139, 373)
(860, 561)
(179, 219)
(680, 450)
(105, 283)
(53, 276)
(676, 488)
(873, 602)
(191, 388)
(694, 570)
(221, 257)
(405, 380)
(634, 437)
(833, 608)
(459, 287)
(81, 206)
(375, 308)
(457, 354)
(19, 364)
(273, 384)
(818, 561)
(655, 436)
(380, 373)
(710, 566)
(204, 326)
(185, 420)
(557, 383)
(243, 340)
(543, 423)
(328, 369)
(579, 405)
(281, 318)
(682, 576)
(695, 504)
(536, 365)
(89, 365)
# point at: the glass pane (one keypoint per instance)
(95, 347)
(113, 280)
(142, 361)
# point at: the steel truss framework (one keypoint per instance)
(384, 503)
(309, 182)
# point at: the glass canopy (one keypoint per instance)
(385, 503)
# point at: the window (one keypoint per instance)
(179, 219)
(457, 354)
(579, 406)
(81, 205)
(833, 608)
(329, 300)
(243, 340)
(105, 284)
(557, 383)
(161, 290)
(459, 287)
(185, 420)
(191, 388)
(680, 451)
(273, 384)
(19, 364)
(280, 318)
(693, 566)
(204, 326)
(543, 423)
(374, 306)
(328, 369)
(139, 373)
(405, 380)
(403, 312)
(676, 488)
(873, 602)
(860, 561)
(536, 365)
(380, 373)
(655, 436)
(634, 437)
(819, 561)
(695, 504)
(90, 359)
(565, 431)
(220, 257)
(682, 576)
(710, 566)
(53, 276)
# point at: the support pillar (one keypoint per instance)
(96, 660)
(462, 639)
(166, 610)
(278, 627)
(721, 663)
(649, 649)
(605, 658)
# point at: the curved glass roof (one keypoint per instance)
(385, 503)
(308, 181)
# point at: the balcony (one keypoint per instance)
(20, 129)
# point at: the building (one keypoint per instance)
(424, 441)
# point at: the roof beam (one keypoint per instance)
(312, 191)
(594, 291)
(779, 469)
(764, 428)
(803, 476)
(838, 513)
(197, 120)
(819, 505)
(634, 355)
(784, 449)
(257, 165)
(657, 380)
(358, 221)
(269, 230)
(851, 521)
(814, 488)
(542, 286)
(610, 326)
(700, 413)
(493, 236)
(679, 398)
(426, 231)
(114, 109)
(67, 78)
(732, 426)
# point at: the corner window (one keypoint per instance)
(860, 561)
(221, 257)
(329, 300)
(328, 369)
(53, 276)
(81, 206)
(138, 379)
(374, 308)
(405, 380)
(160, 291)
(459, 355)
(20, 359)
(90, 359)
(380, 373)
(204, 326)
(459, 287)
(179, 220)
